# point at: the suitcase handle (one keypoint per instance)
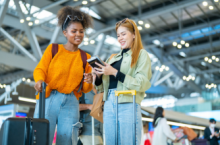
(42, 102)
(133, 92)
(117, 93)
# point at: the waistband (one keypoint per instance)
(111, 91)
(55, 92)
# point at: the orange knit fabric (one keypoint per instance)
(62, 73)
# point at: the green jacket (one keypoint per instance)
(137, 78)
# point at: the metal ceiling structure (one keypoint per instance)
(178, 34)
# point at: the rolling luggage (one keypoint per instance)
(133, 92)
(27, 131)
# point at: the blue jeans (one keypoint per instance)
(62, 110)
(125, 120)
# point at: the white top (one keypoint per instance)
(162, 132)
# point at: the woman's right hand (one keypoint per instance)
(38, 86)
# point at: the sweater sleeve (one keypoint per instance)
(87, 87)
(40, 72)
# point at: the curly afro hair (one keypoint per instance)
(79, 16)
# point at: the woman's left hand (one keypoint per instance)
(88, 78)
(106, 70)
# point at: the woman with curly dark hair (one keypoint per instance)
(162, 130)
(63, 71)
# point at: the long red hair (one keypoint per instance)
(137, 43)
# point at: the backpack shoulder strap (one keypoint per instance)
(84, 58)
(54, 49)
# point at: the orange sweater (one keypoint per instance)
(62, 73)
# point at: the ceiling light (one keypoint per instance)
(4, 85)
(174, 44)
(161, 69)
(75, 0)
(187, 79)
(22, 21)
(210, 61)
(215, 86)
(206, 85)
(84, 2)
(211, 7)
(86, 39)
(167, 68)
(163, 66)
(184, 77)
(92, 42)
(157, 68)
(193, 78)
(147, 25)
(30, 23)
(86, 43)
(139, 28)
(216, 0)
(213, 57)
(217, 59)
(92, 0)
(27, 99)
(182, 42)
(36, 21)
(205, 3)
(187, 44)
(183, 54)
(23, 79)
(140, 22)
(206, 58)
(28, 18)
(28, 80)
(179, 46)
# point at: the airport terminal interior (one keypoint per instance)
(182, 38)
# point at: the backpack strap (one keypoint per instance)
(84, 59)
(54, 49)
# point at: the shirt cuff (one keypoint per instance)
(98, 81)
(210, 136)
(120, 76)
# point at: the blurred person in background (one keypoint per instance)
(162, 130)
(147, 137)
(211, 133)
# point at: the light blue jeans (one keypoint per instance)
(125, 120)
(62, 110)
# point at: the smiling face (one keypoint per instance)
(125, 37)
(74, 33)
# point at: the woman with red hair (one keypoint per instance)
(130, 69)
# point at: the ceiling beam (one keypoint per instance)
(17, 61)
(156, 13)
(31, 35)
(184, 30)
(3, 10)
(19, 46)
(173, 68)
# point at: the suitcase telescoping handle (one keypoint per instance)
(117, 93)
(42, 102)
